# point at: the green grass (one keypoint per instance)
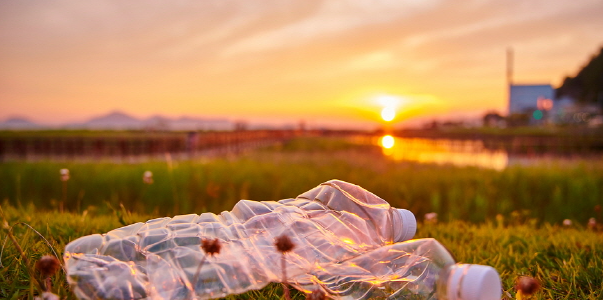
(567, 261)
(507, 219)
(546, 193)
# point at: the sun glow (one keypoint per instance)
(348, 241)
(390, 104)
(454, 152)
(387, 141)
(388, 113)
(388, 100)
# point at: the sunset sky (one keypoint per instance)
(328, 62)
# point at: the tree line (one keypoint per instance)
(587, 86)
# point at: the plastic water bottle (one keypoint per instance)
(415, 269)
(336, 227)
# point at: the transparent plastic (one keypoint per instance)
(346, 238)
(418, 269)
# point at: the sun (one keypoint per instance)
(387, 141)
(388, 113)
(389, 104)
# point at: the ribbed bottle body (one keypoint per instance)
(159, 259)
(407, 270)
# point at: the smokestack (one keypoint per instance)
(509, 66)
(509, 78)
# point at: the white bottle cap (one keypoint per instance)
(406, 227)
(474, 282)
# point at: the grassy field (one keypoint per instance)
(568, 261)
(508, 219)
(548, 193)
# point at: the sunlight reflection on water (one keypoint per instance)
(441, 151)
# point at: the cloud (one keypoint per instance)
(247, 53)
(508, 21)
(331, 18)
(374, 60)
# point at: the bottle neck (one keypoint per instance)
(404, 225)
(468, 282)
(448, 283)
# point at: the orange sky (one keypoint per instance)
(325, 62)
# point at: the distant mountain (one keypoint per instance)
(17, 123)
(187, 124)
(114, 120)
(117, 120)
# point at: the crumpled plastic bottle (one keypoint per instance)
(417, 269)
(335, 227)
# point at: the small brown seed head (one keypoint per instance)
(592, 223)
(147, 177)
(283, 244)
(64, 174)
(48, 265)
(211, 247)
(527, 285)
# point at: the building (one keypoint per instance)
(527, 98)
(538, 104)
(528, 103)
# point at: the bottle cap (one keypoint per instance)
(406, 228)
(474, 282)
